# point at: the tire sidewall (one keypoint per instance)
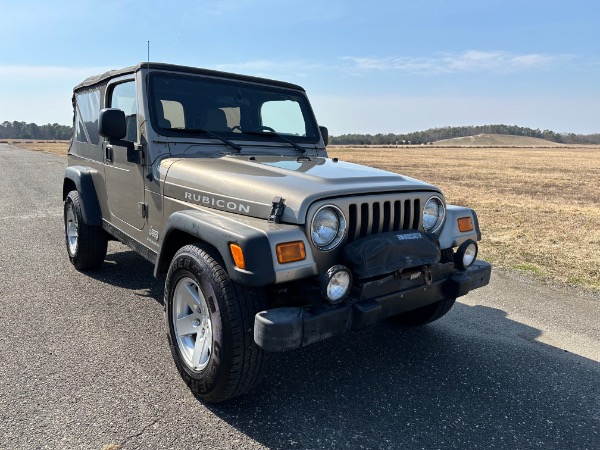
(72, 201)
(207, 380)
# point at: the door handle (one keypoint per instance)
(109, 153)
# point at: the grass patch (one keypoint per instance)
(531, 268)
(111, 447)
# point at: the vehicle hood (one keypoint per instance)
(249, 185)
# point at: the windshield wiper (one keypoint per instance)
(208, 133)
(275, 133)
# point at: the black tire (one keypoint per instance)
(425, 314)
(86, 244)
(233, 364)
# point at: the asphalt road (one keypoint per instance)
(84, 361)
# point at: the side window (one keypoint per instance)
(284, 116)
(87, 113)
(123, 97)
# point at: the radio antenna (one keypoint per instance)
(148, 52)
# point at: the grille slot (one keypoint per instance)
(379, 217)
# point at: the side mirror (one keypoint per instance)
(325, 135)
(112, 123)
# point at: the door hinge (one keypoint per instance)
(140, 156)
(143, 209)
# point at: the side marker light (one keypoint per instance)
(465, 224)
(238, 255)
(290, 252)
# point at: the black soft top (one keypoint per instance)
(96, 79)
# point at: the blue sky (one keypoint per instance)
(368, 66)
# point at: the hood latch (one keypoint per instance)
(277, 209)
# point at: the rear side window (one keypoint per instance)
(87, 113)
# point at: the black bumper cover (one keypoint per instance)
(288, 328)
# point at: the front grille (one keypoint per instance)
(380, 216)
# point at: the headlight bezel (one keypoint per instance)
(440, 216)
(340, 232)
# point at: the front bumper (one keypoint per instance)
(287, 328)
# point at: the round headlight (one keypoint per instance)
(433, 214)
(328, 227)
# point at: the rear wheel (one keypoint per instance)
(86, 244)
(210, 322)
(425, 314)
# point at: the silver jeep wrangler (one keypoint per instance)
(223, 182)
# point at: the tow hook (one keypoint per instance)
(425, 271)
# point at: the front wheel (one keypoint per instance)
(210, 321)
(425, 314)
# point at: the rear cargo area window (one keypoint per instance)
(88, 111)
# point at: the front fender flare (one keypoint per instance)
(219, 231)
(451, 236)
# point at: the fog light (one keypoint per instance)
(466, 254)
(336, 284)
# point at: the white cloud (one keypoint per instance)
(468, 61)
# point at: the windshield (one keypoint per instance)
(232, 109)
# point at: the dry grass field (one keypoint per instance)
(539, 208)
(55, 147)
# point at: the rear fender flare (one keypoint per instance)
(82, 179)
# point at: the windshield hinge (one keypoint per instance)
(277, 209)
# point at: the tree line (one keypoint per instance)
(22, 130)
(438, 134)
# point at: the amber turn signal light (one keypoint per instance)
(238, 255)
(290, 252)
(465, 224)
